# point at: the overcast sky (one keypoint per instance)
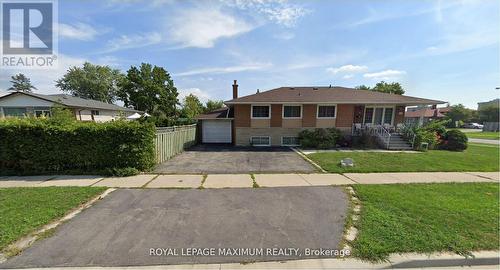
(446, 50)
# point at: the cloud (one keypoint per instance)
(385, 74)
(348, 76)
(278, 11)
(347, 69)
(125, 42)
(78, 31)
(202, 27)
(43, 79)
(202, 95)
(470, 25)
(224, 70)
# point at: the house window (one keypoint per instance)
(368, 115)
(292, 111)
(94, 112)
(379, 115)
(261, 111)
(40, 113)
(388, 115)
(260, 141)
(289, 141)
(326, 111)
(14, 112)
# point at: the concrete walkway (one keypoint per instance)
(486, 141)
(246, 180)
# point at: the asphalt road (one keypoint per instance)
(233, 159)
(124, 227)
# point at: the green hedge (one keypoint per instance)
(36, 146)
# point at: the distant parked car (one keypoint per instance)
(473, 125)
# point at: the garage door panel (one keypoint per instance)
(216, 131)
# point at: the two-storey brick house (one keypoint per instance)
(275, 117)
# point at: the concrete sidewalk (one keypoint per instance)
(246, 180)
(486, 141)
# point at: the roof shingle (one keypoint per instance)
(338, 95)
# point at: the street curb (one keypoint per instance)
(480, 259)
(27, 241)
(308, 159)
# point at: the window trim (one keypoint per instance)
(383, 114)
(282, 144)
(49, 112)
(251, 139)
(290, 105)
(325, 105)
(263, 105)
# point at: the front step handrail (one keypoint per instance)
(407, 132)
(383, 134)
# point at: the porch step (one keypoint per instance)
(397, 142)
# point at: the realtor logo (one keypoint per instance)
(28, 35)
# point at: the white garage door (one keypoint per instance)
(216, 131)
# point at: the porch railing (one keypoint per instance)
(407, 132)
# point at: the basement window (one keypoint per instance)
(289, 141)
(260, 141)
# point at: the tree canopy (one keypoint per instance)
(192, 106)
(151, 89)
(213, 105)
(21, 83)
(91, 82)
(384, 87)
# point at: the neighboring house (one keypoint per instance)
(494, 102)
(275, 117)
(19, 104)
(422, 115)
(490, 126)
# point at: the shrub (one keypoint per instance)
(425, 136)
(438, 127)
(35, 146)
(121, 172)
(455, 140)
(319, 138)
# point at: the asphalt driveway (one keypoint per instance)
(122, 229)
(233, 159)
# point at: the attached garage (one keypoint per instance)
(216, 126)
(216, 131)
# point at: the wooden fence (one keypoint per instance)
(170, 141)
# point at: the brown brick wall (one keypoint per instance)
(399, 117)
(276, 115)
(345, 115)
(309, 117)
(242, 115)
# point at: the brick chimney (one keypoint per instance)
(235, 90)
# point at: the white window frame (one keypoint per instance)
(282, 144)
(294, 105)
(251, 140)
(325, 105)
(259, 105)
(44, 112)
(383, 114)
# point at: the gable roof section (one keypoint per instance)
(222, 113)
(337, 95)
(74, 102)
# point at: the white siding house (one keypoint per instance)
(19, 104)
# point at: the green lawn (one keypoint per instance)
(476, 158)
(489, 135)
(23, 210)
(426, 218)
